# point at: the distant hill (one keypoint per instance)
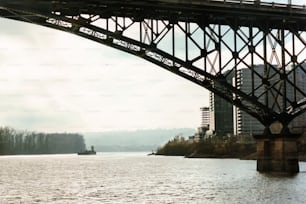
(139, 140)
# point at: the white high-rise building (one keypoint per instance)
(205, 117)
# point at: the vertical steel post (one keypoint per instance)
(252, 59)
(283, 69)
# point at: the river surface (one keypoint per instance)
(137, 178)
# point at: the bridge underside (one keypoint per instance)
(250, 54)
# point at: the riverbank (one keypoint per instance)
(252, 156)
(218, 147)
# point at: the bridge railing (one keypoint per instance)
(263, 3)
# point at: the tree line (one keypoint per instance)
(13, 142)
(215, 147)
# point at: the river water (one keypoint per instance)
(137, 178)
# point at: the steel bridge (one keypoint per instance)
(205, 41)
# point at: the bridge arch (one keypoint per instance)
(168, 35)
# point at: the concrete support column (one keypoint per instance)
(277, 155)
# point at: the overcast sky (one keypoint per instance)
(55, 81)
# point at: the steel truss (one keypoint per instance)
(206, 49)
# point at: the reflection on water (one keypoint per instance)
(137, 178)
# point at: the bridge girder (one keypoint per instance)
(212, 44)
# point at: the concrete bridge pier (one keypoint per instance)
(277, 154)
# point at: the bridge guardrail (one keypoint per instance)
(261, 3)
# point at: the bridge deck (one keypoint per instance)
(211, 11)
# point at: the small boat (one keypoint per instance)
(88, 152)
(150, 154)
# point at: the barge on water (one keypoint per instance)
(88, 152)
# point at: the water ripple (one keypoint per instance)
(136, 178)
